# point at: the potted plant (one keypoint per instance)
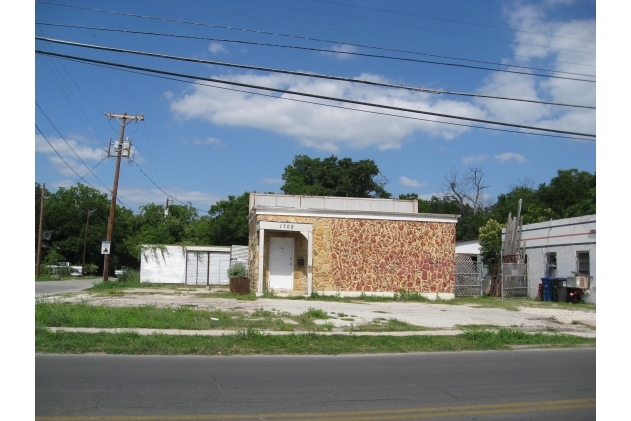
(239, 282)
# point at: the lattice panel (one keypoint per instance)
(468, 277)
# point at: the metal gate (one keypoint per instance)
(469, 276)
(197, 270)
(514, 280)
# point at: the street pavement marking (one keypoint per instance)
(376, 415)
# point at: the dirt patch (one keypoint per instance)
(431, 316)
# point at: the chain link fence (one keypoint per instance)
(514, 280)
(469, 276)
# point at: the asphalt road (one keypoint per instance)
(60, 287)
(524, 385)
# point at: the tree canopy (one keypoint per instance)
(570, 193)
(334, 177)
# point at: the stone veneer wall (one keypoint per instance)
(374, 255)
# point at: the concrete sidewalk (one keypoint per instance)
(217, 332)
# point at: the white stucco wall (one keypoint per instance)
(565, 237)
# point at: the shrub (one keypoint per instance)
(237, 271)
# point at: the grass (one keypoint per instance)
(383, 325)
(59, 314)
(250, 341)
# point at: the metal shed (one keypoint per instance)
(190, 265)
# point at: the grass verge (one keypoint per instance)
(251, 341)
(59, 314)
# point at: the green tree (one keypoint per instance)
(334, 177)
(570, 193)
(490, 238)
(228, 224)
(65, 214)
(152, 225)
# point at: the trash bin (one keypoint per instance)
(562, 294)
(547, 288)
(557, 283)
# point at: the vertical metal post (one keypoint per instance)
(85, 242)
(39, 235)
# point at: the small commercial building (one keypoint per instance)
(190, 265)
(560, 249)
(349, 246)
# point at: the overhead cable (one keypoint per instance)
(210, 25)
(305, 74)
(350, 53)
(359, 32)
(346, 108)
(284, 91)
(449, 20)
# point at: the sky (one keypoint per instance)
(202, 141)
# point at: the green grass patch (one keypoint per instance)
(57, 314)
(251, 341)
(390, 325)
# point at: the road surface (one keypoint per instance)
(60, 287)
(524, 384)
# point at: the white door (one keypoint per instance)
(281, 263)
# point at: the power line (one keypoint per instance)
(160, 188)
(351, 109)
(86, 60)
(358, 18)
(68, 144)
(210, 25)
(352, 53)
(315, 75)
(449, 20)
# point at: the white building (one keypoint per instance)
(190, 265)
(558, 248)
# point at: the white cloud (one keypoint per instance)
(168, 94)
(273, 180)
(212, 141)
(143, 195)
(567, 46)
(82, 151)
(410, 182)
(510, 156)
(216, 48)
(320, 127)
(342, 48)
(474, 158)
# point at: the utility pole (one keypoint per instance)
(166, 209)
(110, 223)
(41, 227)
(85, 241)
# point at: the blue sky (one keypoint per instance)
(200, 144)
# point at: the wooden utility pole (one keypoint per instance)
(110, 223)
(41, 228)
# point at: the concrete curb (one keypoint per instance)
(178, 332)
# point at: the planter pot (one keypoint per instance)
(240, 285)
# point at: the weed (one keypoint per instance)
(404, 295)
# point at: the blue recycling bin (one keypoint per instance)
(547, 289)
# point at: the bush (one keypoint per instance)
(129, 276)
(237, 271)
